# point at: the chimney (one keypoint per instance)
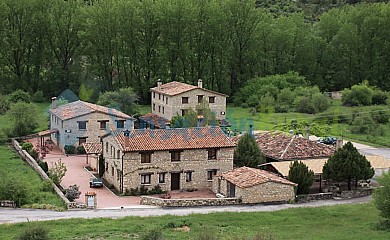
(200, 85)
(126, 134)
(54, 102)
(251, 130)
(159, 83)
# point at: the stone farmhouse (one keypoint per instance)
(82, 122)
(176, 98)
(254, 186)
(174, 159)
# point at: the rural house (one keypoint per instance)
(174, 159)
(80, 122)
(254, 186)
(176, 98)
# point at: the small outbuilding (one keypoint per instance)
(254, 186)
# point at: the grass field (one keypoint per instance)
(355, 222)
(11, 164)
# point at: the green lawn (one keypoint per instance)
(11, 164)
(337, 222)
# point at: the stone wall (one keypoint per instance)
(313, 197)
(355, 193)
(175, 105)
(31, 161)
(189, 202)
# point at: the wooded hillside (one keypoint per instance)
(51, 45)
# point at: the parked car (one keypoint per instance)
(328, 140)
(96, 182)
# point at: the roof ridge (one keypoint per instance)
(288, 145)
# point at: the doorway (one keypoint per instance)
(175, 181)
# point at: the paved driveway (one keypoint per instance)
(77, 174)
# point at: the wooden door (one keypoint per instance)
(175, 181)
(231, 190)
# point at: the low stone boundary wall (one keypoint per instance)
(355, 193)
(31, 161)
(313, 197)
(188, 202)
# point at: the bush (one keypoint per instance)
(379, 97)
(362, 124)
(38, 97)
(19, 96)
(27, 146)
(381, 116)
(4, 104)
(72, 193)
(244, 105)
(34, 154)
(305, 105)
(43, 165)
(154, 234)
(358, 95)
(69, 149)
(47, 185)
(156, 190)
(13, 189)
(80, 150)
(382, 196)
(57, 172)
(143, 190)
(36, 232)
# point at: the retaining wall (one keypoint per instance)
(188, 202)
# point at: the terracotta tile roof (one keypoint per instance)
(175, 88)
(377, 162)
(80, 108)
(245, 177)
(281, 146)
(155, 120)
(174, 138)
(92, 148)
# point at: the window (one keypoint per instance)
(106, 167)
(145, 178)
(200, 98)
(82, 140)
(146, 157)
(112, 171)
(82, 125)
(103, 124)
(161, 178)
(154, 94)
(175, 156)
(159, 108)
(211, 99)
(159, 96)
(163, 98)
(183, 112)
(120, 123)
(118, 154)
(212, 153)
(154, 107)
(166, 100)
(163, 110)
(106, 147)
(184, 100)
(211, 173)
(188, 176)
(114, 152)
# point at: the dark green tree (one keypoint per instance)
(382, 196)
(124, 100)
(300, 174)
(347, 164)
(247, 152)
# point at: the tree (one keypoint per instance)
(57, 172)
(347, 164)
(190, 119)
(382, 195)
(25, 118)
(13, 189)
(247, 152)
(300, 174)
(124, 100)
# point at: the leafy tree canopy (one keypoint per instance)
(347, 164)
(247, 152)
(125, 100)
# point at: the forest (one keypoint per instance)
(102, 46)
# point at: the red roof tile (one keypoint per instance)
(80, 108)
(92, 148)
(175, 88)
(155, 120)
(175, 138)
(281, 146)
(245, 177)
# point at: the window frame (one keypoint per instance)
(146, 157)
(103, 122)
(146, 178)
(82, 140)
(184, 100)
(122, 122)
(189, 176)
(175, 156)
(161, 177)
(80, 126)
(212, 153)
(200, 98)
(213, 99)
(211, 173)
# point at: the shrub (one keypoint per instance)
(80, 150)
(25, 118)
(4, 104)
(304, 105)
(143, 190)
(33, 154)
(358, 95)
(19, 96)
(382, 196)
(244, 105)
(27, 146)
(381, 116)
(69, 149)
(72, 193)
(379, 97)
(154, 234)
(3, 137)
(155, 190)
(43, 165)
(47, 185)
(36, 232)
(362, 124)
(133, 191)
(13, 189)
(320, 102)
(57, 172)
(38, 97)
